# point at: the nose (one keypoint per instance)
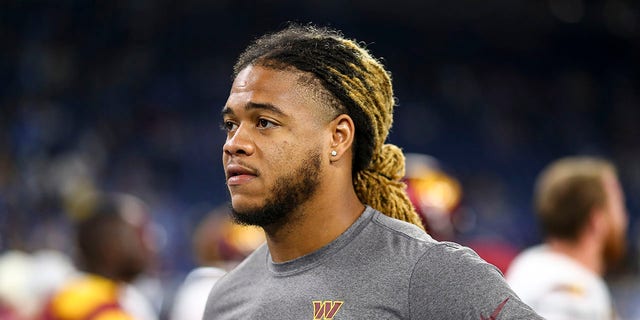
(239, 142)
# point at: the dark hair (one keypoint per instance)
(92, 232)
(107, 243)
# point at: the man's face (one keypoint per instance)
(272, 155)
(615, 243)
(134, 257)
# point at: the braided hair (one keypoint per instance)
(356, 84)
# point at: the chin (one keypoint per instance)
(242, 206)
(248, 217)
(240, 210)
(242, 198)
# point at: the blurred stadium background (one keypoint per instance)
(125, 96)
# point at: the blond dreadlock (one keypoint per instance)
(361, 88)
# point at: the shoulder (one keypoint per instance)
(399, 227)
(198, 282)
(553, 283)
(538, 267)
(431, 261)
(251, 267)
(191, 297)
(424, 252)
(85, 296)
(204, 274)
(536, 261)
(390, 242)
(454, 260)
(451, 279)
(534, 255)
(237, 290)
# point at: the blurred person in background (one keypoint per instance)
(580, 206)
(218, 246)
(305, 159)
(113, 249)
(27, 280)
(434, 193)
(437, 196)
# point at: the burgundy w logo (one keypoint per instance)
(325, 310)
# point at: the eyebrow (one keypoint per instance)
(254, 106)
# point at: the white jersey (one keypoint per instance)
(135, 303)
(191, 298)
(557, 287)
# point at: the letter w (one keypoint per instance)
(325, 310)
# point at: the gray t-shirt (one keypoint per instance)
(380, 268)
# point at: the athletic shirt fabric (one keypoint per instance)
(379, 268)
(558, 287)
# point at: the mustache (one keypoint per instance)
(243, 165)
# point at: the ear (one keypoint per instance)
(342, 135)
(599, 222)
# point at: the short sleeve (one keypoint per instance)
(451, 281)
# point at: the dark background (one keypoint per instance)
(125, 96)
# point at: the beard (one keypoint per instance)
(614, 248)
(290, 191)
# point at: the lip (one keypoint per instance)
(237, 174)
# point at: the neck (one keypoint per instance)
(315, 226)
(583, 251)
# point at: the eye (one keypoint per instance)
(264, 124)
(228, 125)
